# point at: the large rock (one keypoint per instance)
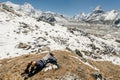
(117, 23)
(97, 76)
(78, 53)
(23, 46)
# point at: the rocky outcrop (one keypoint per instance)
(99, 16)
(46, 19)
(70, 68)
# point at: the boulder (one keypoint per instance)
(117, 40)
(78, 53)
(97, 76)
(23, 46)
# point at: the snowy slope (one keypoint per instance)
(24, 34)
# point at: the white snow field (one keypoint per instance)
(18, 27)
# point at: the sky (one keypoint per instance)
(70, 7)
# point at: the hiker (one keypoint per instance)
(34, 67)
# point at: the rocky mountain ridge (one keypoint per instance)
(100, 16)
(97, 16)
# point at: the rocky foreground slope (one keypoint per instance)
(71, 67)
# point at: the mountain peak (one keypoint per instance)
(80, 16)
(8, 2)
(98, 9)
(49, 12)
(28, 5)
(13, 5)
(83, 14)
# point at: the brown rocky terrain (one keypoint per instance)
(71, 67)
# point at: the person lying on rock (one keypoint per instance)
(34, 67)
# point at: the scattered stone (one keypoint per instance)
(84, 59)
(117, 41)
(17, 53)
(9, 61)
(46, 33)
(93, 46)
(15, 38)
(69, 49)
(40, 38)
(97, 51)
(24, 46)
(78, 53)
(8, 54)
(79, 69)
(25, 31)
(26, 55)
(87, 53)
(8, 35)
(97, 76)
(96, 56)
(24, 25)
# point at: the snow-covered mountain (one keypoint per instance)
(52, 17)
(79, 17)
(100, 16)
(21, 34)
(28, 9)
